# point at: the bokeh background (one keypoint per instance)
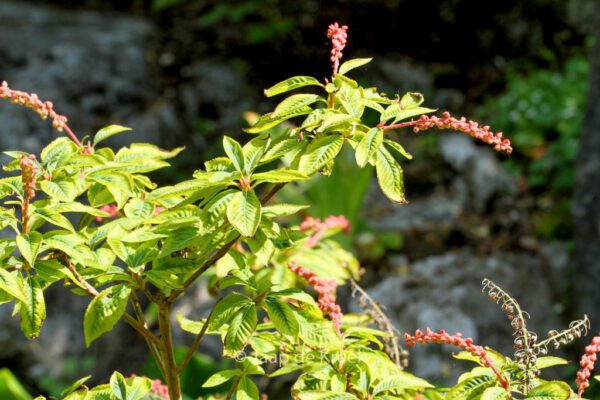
(184, 72)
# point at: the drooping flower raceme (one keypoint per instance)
(325, 290)
(469, 127)
(45, 109)
(457, 340)
(338, 35)
(587, 365)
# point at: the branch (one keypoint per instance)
(219, 253)
(197, 340)
(92, 292)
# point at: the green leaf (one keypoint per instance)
(265, 122)
(138, 208)
(337, 122)
(240, 329)
(553, 390)
(495, 393)
(389, 176)
(246, 390)
(282, 315)
(226, 308)
(54, 218)
(351, 64)
(396, 146)
(221, 377)
(11, 388)
(282, 209)
(104, 312)
(29, 246)
(470, 387)
(61, 190)
(368, 146)
(279, 175)
(401, 380)
(254, 150)
(549, 361)
(411, 100)
(244, 213)
(33, 311)
(319, 152)
(74, 386)
(129, 389)
(290, 84)
(325, 395)
(235, 153)
(10, 284)
(294, 102)
(107, 132)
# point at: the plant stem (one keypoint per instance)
(137, 307)
(166, 346)
(397, 126)
(197, 340)
(219, 253)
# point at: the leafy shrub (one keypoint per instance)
(125, 237)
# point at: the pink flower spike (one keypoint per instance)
(338, 37)
(457, 340)
(45, 109)
(587, 365)
(325, 290)
(319, 228)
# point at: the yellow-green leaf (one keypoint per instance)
(244, 212)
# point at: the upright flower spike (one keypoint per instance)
(587, 365)
(325, 289)
(29, 173)
(338, 37)
(45, 109)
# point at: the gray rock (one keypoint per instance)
(444, 292)
(477, 166)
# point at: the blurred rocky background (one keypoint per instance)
(183, 72)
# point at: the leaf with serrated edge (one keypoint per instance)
(29, 245)
(241, 328)
(351, 64)
(290, 84)
(282, 316)
(389, 176)
(32, 312)
(279, 175)
(109, 131)
(368, 146)
(104, 311)
(234, 152)
(319, 152)
(244, 212)
(294, 102)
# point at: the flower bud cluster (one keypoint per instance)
(325, 290)
(44, 109)
(587, 365)
(29, 173)
(111, 209)
(469, 127)
(457, 340)
(338, 37)
(320, 227)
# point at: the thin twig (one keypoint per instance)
(381, 318)
(92, 292)
(197, 340)
(137, 307)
